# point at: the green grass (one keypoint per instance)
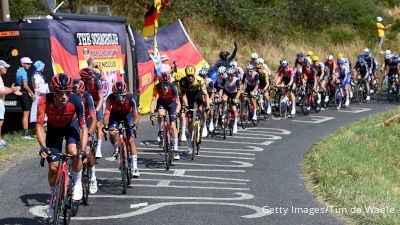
(358, 166)
(17, 149)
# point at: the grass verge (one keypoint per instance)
(18, 149)
(358, 166)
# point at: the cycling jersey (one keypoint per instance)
(90, 110)
(218, 81)
(121, 109)
(286, 75)
(342, 74)
(251, 80)
(60, 117)
(94, 88)
(264, 78)
(393, 67)
(167, 98)
(372, 64)
(231, 85)
(239, 72)
(362, 70)
(197, 85)
(309, 74)
(209, 85)
(331, 65)
(318, 70)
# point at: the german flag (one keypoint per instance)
(151, 19)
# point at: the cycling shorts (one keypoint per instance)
(346, 82)
(194, 97)
(100, 113)
(171, 108)
(127, 119)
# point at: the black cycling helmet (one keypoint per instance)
(224, 55)
(300, 55)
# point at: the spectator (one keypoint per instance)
(39, 85)
(165, 66)
(381, 32)
(27, 94)
(3, 92)
(97, 69)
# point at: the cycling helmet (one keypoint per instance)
(61, 82)
(329, 57)
(284, 63)
(164, 78)
(300, 55)
(204, 71)
(259, 60)
(307, 60)
(190, 70)
(39, 66)
(223, 55)
(379, 19)
(250, 67)
(119, 88)
(254, 55)
(78, 86)
(388, 52)
(388, 56)
(395, 56)
(222, 69)
(310, 53)
(230, 70)
(315, 58)
(366, 52)
(178, 76)
(86, 73)
(233, 63)
(340, 61)
(340, 55)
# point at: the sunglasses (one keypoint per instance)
(189, 76)
(62, 93)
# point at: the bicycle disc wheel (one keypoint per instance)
(282, 107)
(58, 201)
(124, 169)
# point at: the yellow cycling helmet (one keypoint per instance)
(190, 70)
(315, 58)
(340, 55)
(178, 76)
(310, 53)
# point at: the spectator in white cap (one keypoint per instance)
(165, 66)
(381, 32)
(3, 92)
(25, 100)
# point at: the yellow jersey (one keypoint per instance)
(380, 29)
(198, 84)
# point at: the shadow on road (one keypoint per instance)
(35, 199)
(23, 221)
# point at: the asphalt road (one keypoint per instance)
(251, 178)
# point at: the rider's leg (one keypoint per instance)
(160, 122)
(254, 104)
(99, 117)
(183, 126)
(268, 98)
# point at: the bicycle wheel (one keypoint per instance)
(195, 134)
(85, 183)
(225, 122)
(305, 105)
(178, 128)
(58, 201)
(198, 140)
(123, 168)
(283, 107)
(338, 99)
(230, 122)
(244, 114)
(69, 208)
(167, 149)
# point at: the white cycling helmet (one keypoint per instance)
(388, 56)
(329, 57)
(388, 52)
(230, 70)
(233, 63)
(366, 52)
(259, 60)
(250, 67)
(254, 55)
(221, 69)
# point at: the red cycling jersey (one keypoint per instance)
(122, 109)
(309, 74)
(167, 98)
(63, 117)
(94, 89)
(290, 73)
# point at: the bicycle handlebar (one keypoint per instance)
(48, 152)
(104, 129)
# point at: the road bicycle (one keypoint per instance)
(196, 129)
(227, 119)
(393, 89)
(284, 101)
(309, 101)
(61, 201)
(165, 141)
(361, 90)
(123, 155)
(246, 109)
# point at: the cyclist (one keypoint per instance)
(372, 66)
(177, 78)
(394, 69)
(299, 66)
(239, 70)
(309, 77)
(322, 73)
(331, 64)
(65, 119)
(388, 59)
(252, 80)
(225, 58)
(121, 106)
(211, 92)
(260, 63)
(231, 92)
(285, 77)
(264, 85)
(253, 58)
(90, 117)
(168, 100)
(343, 75)
(362, 71)
(194, 91)
(93, 86)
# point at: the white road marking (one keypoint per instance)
(315, 119)
(135, 206)
(176, 171)
(229, 153)
(240, 142)
(241, 164)
(39, 210)
(259, 211)
(241, 196)
(190, 187)
(269, 130)
(354, 110)
(264, 137)
(252, 149)
(180, 181)
(201, 156)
